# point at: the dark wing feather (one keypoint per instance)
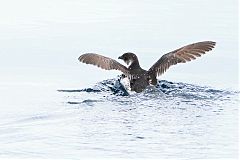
(102, 62)
(181, 55)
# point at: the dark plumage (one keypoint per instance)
(140, 78)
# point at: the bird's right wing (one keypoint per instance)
(181, 55)
(103, 62)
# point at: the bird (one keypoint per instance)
(140, 78)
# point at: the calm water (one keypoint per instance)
(52, 106)
(174, 120)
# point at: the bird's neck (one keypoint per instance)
(134, 64)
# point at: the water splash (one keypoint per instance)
(177, 89)
(165, 93)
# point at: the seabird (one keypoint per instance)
(139, 78)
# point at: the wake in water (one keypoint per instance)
(113, 87)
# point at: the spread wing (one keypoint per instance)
(181, 55)
(102, 62)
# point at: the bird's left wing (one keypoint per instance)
(103, 62)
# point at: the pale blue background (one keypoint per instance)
(41, 40)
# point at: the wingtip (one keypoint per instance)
(212, 42)
(81, 57)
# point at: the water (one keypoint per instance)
(174, 120)
(53, 107)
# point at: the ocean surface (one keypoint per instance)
(173, 120)
(54, 107)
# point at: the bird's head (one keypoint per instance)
(128, 58)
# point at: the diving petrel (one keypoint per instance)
(139, 78)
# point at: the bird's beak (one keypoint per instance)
(120, 57)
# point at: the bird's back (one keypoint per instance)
(139, 80)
